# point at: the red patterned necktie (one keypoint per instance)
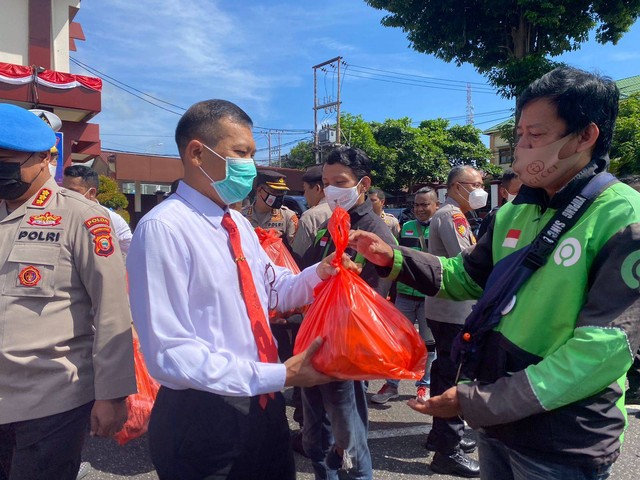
(267, 350)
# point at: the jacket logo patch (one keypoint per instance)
(103, 241)
(29, 276)
(42, 197)
(568, 252)
(511, 240)
(630, 270)
(323, 241)
(409, 232)
(460, 223)
(45, 220)
(95, 221)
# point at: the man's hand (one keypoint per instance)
(300, 372)
(108, 417)
(372, 247)
(443, 406)
(326, 270)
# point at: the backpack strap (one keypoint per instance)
(565, 219)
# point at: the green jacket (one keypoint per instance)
(552, 381)
(413, 235)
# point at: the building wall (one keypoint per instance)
(14, 32)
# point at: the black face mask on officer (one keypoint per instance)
(274, 201)
(11, 184)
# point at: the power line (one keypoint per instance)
(420, 76)
(416, 84)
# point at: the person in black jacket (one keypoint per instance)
(343, 443)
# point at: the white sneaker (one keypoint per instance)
(386, 393)
(84, 470)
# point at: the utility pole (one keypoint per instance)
(330, 105)
(469, 106)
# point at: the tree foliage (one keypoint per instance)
(404, 155)
(110, 196)
(509, 41)
(625, 148)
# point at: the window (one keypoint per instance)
(504, 156)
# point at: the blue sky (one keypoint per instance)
(259, 54)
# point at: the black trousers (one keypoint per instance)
(195, 435)
(446, 433)
(44, 448)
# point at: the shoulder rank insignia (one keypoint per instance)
(42, 197)
(44, 220)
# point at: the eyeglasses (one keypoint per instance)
(270, 277)
(474, 184)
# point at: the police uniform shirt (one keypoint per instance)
(449, 234)
(65, 325)
(281, 219)
(187, 304)
(392, 222)
(309, 225)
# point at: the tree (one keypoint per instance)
(110, 196)
(301, 156)
(508, 41)
(625, 148)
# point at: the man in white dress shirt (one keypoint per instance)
(86, 181)
(195, 330)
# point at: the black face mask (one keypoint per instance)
(11, 184)
(274, 201)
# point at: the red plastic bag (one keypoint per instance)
(271, 242)
(139, 405)
(365, 336)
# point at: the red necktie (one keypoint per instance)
(267, 350)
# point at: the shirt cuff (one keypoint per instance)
(272, 378)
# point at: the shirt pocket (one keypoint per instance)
(32, 270)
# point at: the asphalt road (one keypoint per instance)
(396, 439)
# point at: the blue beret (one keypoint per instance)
(22, 131)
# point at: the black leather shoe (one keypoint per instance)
(467, 445)
(457, 464)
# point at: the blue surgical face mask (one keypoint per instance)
(238, 180)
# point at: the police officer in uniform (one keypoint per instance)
(66, 356)
(267, 210)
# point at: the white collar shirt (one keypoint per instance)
(187, 304)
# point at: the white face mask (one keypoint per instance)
(52, 170)
(510, 197)
(477, 198)
(346, 197)
(540, 167)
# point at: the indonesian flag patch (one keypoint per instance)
(511, 240)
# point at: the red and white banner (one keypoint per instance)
(20, 75)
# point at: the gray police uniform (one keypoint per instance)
(65, 324)
(308, 227)
(281, 219)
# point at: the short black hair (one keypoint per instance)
(377, 192)
(427, 190)
(88, 175)
(580, 98)
(507, 177)
(351, 157)
(200, 121)
(313, 176)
